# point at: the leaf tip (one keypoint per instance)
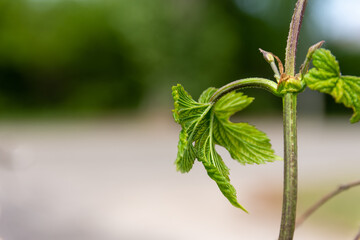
(241, 207)
(355, 118)
(313, 48)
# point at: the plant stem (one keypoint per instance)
(290, 167)
(288, 217)
(293, 37)
(324, 199)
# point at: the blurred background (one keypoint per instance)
(87, 140)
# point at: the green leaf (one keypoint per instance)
(231, 103)
(326, 78)
(191, 116)
(224, 185)
(186, 154)
(206, 95)
(205, 124)
(206, 152)
(244, 142)
(215, 167)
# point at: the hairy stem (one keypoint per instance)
(288, 216)
(324, 199)
(290, 168)
(246, 83)
(293, 37)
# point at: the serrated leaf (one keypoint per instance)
(215, 167)
(244, 142)
(205, 124)
(205, 148)
(191, 116)
(187, 112)
(186, 154)
(206, 95)
(326, 77)
(224, 185)
(231, 103)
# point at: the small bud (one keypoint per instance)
(267, 56)
(305, 66)
(313, 48)
(270, 58)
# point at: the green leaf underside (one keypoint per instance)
(205, 124)
(326, 77)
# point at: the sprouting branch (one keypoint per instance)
(293, 37)
(270, 58)
(324, 199)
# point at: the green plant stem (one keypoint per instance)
(288, 216)
(290, 167)
(246, 83)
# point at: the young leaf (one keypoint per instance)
(190, 115)
(205, 124)
(244, 142)
(326, 78)
(215, 167)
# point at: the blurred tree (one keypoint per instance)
(105, 56)
(64, 56)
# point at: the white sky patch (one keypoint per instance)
(338, 19)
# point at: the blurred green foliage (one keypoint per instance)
(64, 56)
(77, 57)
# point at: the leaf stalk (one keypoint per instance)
(246, 83)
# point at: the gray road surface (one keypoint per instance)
(115, 179)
